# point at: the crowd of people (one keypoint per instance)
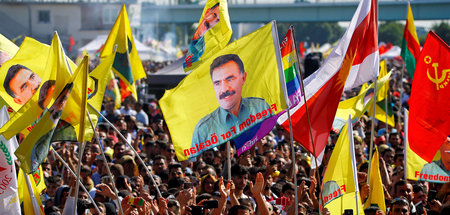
(261, 180)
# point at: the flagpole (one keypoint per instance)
(286, 99)
(405, 124)
(229, 160)
(302, 87)
(131, 147)
(352, 154)
(82, 130)
(104, 158)
(372, 127)
(34, 202)
(386, 112)
(74, 175)
(77, 184)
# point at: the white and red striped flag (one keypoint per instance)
(356, 53)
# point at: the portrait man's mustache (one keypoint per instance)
(227, 93)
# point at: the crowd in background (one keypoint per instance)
(261, 178)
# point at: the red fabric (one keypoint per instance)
(301, 50)
(429, 116)
(71, 43)
(322, 106)
(411, 43)
(124, 92)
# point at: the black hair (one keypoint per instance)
(221, 60)
(287, 186)
(12, 71)
(238, 170)
(43, 91)
(235, 209)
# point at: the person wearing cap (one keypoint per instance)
(129, 166)
(380, 140)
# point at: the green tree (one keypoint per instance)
(443, 31)
(391, 32)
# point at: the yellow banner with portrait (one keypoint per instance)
(35, 73)
(212, 34)
(232, 91)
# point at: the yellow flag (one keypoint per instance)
(25, 194)
(49, 77)
(358, 105)
(101, 76)
(69, 126)
(80, 57)
(127, 64)
(338, 189)
(38, 177)
(34, 148)
(7, 49)
(376, 195)
(363, 87)
(384, 91)
(381, 110)
(213, 34)
(202, 112)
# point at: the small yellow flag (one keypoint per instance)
(127, 64)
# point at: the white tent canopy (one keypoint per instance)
(145, 52)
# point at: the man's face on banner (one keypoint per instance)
(210, 19)
(227, 82)
(445, 153)
(24, 84)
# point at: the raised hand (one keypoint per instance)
(258, 188)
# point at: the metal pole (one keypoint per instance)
(386, 112)
(286, 99)
(353, 159)
(33, 199)
(229, 159)
(106, 163)
(80, 156)
(302, 86)
(131, 147)
(405, 124)
(372, 129)
(74, 175)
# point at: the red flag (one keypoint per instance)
(124, 92)
(324, 87)
(429, 104)
(301, 49)
(71, 43)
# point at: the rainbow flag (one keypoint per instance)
(290, 68)
(291, 76)
(410, 44)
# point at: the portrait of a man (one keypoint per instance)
(41, 147)
(228, 77)
(21, 83)
(439, 167)
(46, 93)
(210, 19)
(197, 46)
(58, 106)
